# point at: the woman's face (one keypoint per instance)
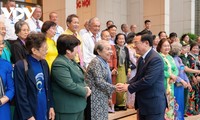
(195, 50)
(121, 40)
(186, 39)
(24, 32)
(106, 52)
(51, 31)
(156, 41)
(40, 53)
(185, 49)
(163, 35)
(165, 48)
(1, 44)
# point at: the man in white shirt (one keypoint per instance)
(34, 22)
(89, 40)
(9, 22)
(53, 16)
(84, 30)
(125, 29)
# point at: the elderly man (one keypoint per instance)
(73, 26)
(89, 40)
(34, 22)
(9, 22)
(53, 16)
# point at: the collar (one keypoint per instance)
(34, 20)
(91, 34)
(145, 54)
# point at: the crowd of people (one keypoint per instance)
(47, 72)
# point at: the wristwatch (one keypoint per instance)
(0, 103)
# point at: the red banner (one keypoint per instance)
(82, 3)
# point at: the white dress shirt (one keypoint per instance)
(59, 31)
(88, 47)
(10, 27)
(33, 25)
(82, 32)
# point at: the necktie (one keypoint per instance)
(37, 24)
(94, 39)
(140, 63)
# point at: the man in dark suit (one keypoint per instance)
(148, 82)
(146, 30)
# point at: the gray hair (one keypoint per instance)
(175, 48)
(99, 46)
(18, 26)
(92, 20)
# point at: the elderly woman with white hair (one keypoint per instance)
(181, 82)
(98, 78)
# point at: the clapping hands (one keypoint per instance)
(121, 87)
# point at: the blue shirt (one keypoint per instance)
(41, 113)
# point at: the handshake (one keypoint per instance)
(121, 87)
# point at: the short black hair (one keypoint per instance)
(67, 42)
(146, 21)
(47, 25)
(147, 37)
(111, 27)
(109, 21)
(161, 33)
(173, 34)
(70, 17)
(116, 38)
(34, 40)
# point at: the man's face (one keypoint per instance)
(95, 27)
(54, 17)
(109, 23)
(126, 28)
(74, 25)
(37, 14)
(105, 36)
(113, 31)
(10, 4)
(148, 25)
(139, 45)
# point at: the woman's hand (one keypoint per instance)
(51, 114)
(88, 91)
(4, 99)
(189, 86)
(114, 72)
(173, 77)
(185, 84)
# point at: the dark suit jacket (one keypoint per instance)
(148, 84)
(26, 91)
(18, 51)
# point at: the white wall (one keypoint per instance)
(115, 10)
(182, 16)
(135, 14)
